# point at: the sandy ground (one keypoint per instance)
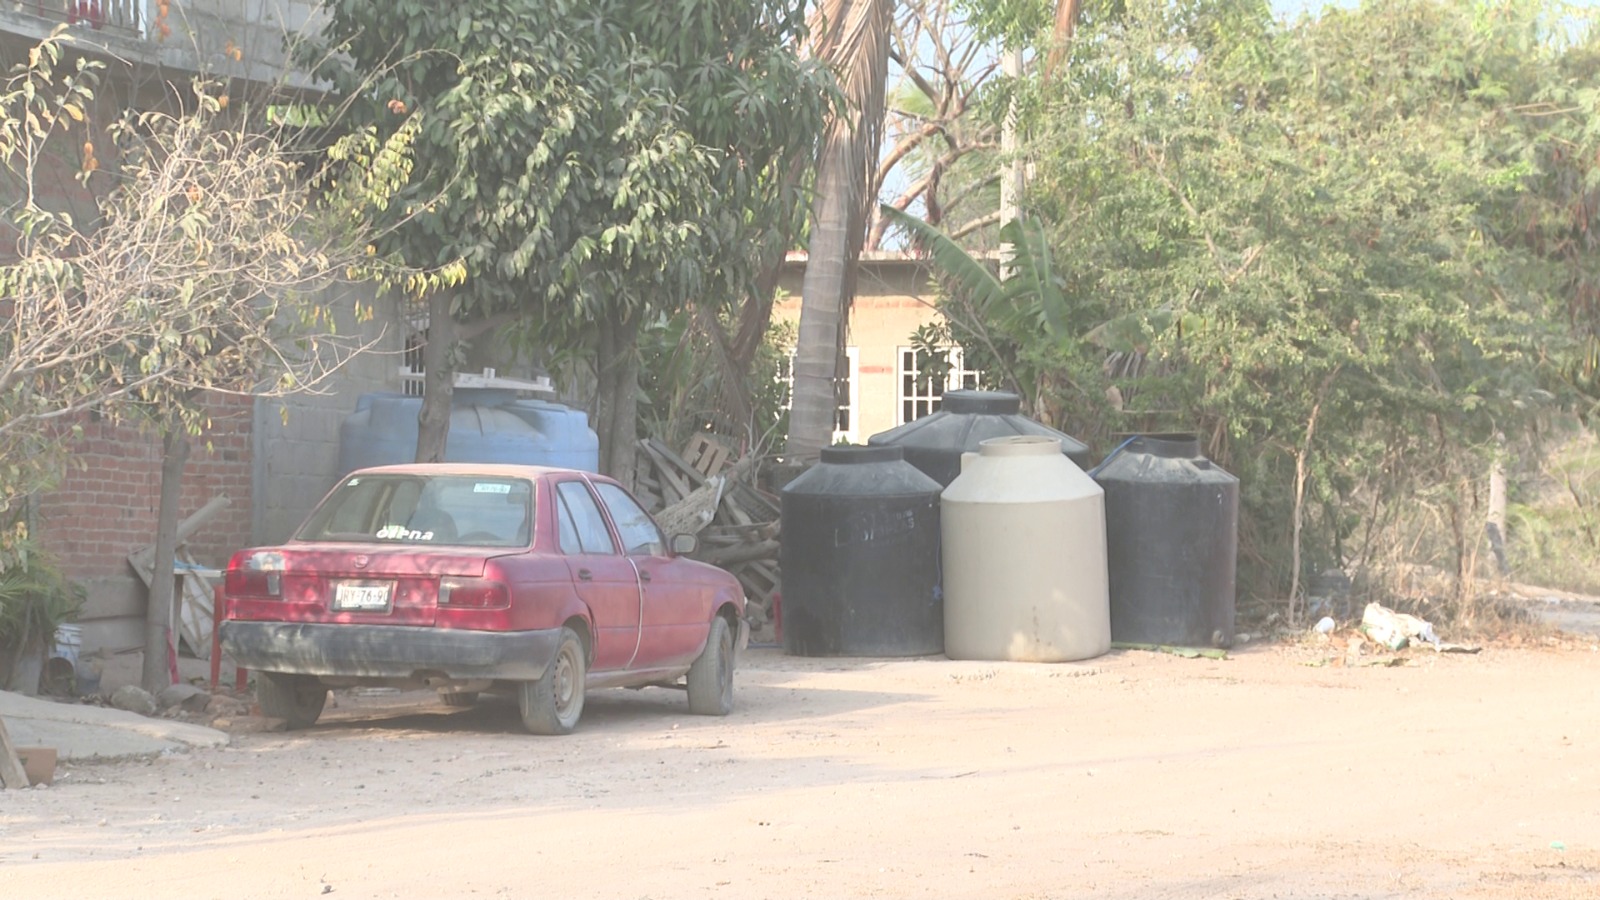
(1132, 776)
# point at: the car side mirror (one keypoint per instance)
(684, 544)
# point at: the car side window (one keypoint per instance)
(588, 526)
(640, 536)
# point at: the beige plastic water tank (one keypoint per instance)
(1024, 556)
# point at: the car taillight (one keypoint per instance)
(254, 575)
(473, 593)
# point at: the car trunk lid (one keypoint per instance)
(358, 583)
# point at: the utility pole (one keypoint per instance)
(1011, 177)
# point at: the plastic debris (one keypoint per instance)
(1185, 652)
(1396, 630)
(1325, 625)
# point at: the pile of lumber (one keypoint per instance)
(706, 492)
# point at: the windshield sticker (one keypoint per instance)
(484, 487)
(402, 533)
(352, 482)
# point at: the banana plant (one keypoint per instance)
(1029, 299)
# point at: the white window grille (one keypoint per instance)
(846, 392)
(919, 396)
(411, 367)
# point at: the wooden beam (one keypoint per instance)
(11, 773)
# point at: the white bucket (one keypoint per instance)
(61, 674)
(69, 643)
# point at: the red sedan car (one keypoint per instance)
(467, 578)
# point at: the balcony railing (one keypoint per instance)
(125, 16)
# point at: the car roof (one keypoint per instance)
(498, 470)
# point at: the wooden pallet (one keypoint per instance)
(707, 455)
(741, 535)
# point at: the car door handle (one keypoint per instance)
(643, 575)
(585, 575)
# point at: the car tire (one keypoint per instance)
(553, 704)
(296, 699)
(711, 676)
(458, 699)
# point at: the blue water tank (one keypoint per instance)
(486, 426)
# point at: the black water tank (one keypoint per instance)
(859, 556)
(934, 443)
(1172, 539)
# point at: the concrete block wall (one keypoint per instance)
(239, 39)
(296, 438)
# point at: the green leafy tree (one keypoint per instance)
(1338, 250)
(588, 164)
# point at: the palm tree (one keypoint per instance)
(853, 36)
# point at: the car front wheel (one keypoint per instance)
(711, 676)
(553, 704)
(296, 699)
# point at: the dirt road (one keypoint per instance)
(1132, 776)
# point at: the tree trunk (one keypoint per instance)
(438, 380)
(158, 616)
(1496, 524)
(1011, 176)
(856, 41)
(617, 396)
(825, 296)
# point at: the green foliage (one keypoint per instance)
(1349, 245)
(35, 598)
(592, 165)
(1553, 521)
(1019, 331)
(681, 395)
(583, 159)
(1027, 23)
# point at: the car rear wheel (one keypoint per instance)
(458, 698)
(711, 676)
(296, 699)
(553, 704)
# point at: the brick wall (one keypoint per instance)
(106, 505)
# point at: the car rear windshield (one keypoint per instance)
(459, 510)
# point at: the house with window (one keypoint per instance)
(879, 388)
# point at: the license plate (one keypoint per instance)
(362, 597)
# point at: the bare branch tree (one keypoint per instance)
(943, 67)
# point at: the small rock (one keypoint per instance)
(1243, 637)
(133, 698)
(187, 696)
(223, 705)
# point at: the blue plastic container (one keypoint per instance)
(486, 426)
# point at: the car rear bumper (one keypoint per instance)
(389, 651)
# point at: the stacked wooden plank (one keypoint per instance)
(699, 492)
